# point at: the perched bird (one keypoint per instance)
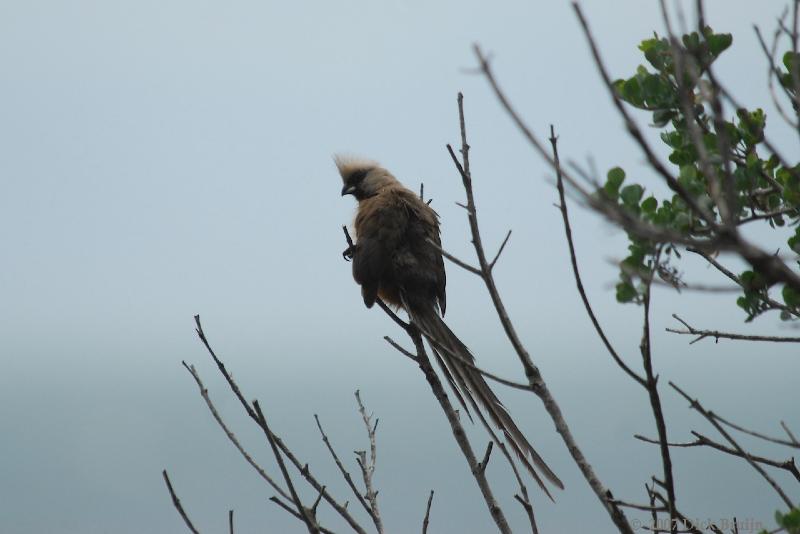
(397, 258)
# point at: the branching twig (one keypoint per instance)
(302, 469)
(368, 466)
(342, 470)
(773, 304)
(231, 435)
(717, 335)
(793, 443)
(655, 401)
(574, 261)
(711, 417)
(532, 373)
(308, 518)
(458, 432)
(702, 440)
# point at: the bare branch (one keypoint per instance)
(574, 261)
(717, 335)
(427, 517)
(177, 503)
(789, 433)
(793, 443)
(303, 469)
(458, 432)
(289, 509)
(704, 441)
(464, 265)
(308, 518)
(712, 418)
(635, 506)
(231, 435)
(342, 470)
(533, 374)
(368, 467)
(402, 351)
(485, 462)
(655, 402)
(499, 251)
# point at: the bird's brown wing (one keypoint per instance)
(381, 226)
(431, 261)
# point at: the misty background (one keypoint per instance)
(160, 159)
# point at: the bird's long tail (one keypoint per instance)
(458, 365)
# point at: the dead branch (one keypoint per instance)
(345, 474)
(532, 373)
(368, 465)
(231, 436)
(303, 469)
(717, 335)
(427, 517)
(177, 503)
(695, 405)
(704, 441)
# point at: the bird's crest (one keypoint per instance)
(349, 165)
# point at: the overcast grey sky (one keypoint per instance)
(160, 159)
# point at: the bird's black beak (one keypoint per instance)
(348, 190)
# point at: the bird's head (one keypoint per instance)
(362, 178)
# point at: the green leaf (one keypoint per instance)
(661, 117)
(625, 292)
(719, 42)
(791, 297)
(632, 92)
(631, 195)
(649, 205)
(614, 179)
(794, 241)
(791, 59)
(790, 521)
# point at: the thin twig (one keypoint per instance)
(231, 435)
(402, 351)
(495, 510)
(303, 469)
(779, 441)
(499, 251)
(532, 373)
(702, 441)
(717, 335)
(721, 268)
(464, 265)
(368, 467)
(426, 519)
(655, 400)
(289, 509)
(308, 519)
(635, 506)
(789, 433)
(342, 470)
(711, 417)
(177, 503)
(485, 462)
(574, 261)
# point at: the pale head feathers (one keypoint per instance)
(362, 178)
